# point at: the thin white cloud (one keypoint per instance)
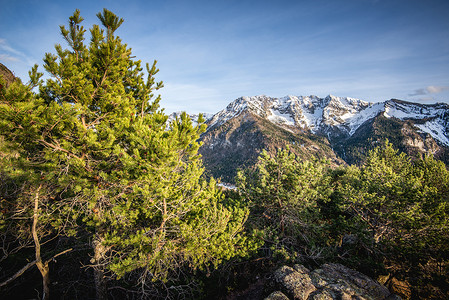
(9, 54)
(8, 58)
(431, 89)
(419, 92)
(4, 46)
(436, 89)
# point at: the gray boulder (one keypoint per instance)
(296, 281)
(277, 296)
(331, 281)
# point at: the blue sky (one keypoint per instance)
(212, 52)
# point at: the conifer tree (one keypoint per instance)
(30, 216)
(132, 181)
(402, 206)
(284, 193)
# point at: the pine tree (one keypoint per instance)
(404, 205)
(132, 181)
(29, 213)
(283, 193)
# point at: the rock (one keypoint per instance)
(337, 277)
(399, 287)
(297, 284)
(322, 295)
(301, 269)
(276, 296)
(331, 281)
(8, 76)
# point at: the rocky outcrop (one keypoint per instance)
(296, 281)
(331, 281)
(7, 75)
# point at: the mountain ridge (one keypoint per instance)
(320, 114)
(320, 127)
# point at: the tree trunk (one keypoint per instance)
(43, 267)
(100, 280)
(45, 272)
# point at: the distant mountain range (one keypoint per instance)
(342, 130)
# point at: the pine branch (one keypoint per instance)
(56, 147)
(19, 273)
(29, 265)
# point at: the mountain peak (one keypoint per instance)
(305, 112)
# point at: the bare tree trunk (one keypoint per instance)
(100, 280)
(42, 266)
(45, 272)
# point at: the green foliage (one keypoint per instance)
(406, 204)
(95, 136)
(389, 216)
(403, 205)
(283, 194)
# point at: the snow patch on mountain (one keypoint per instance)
(311, 115)
(406, 110)
(436, 129)
(355, 120)
(306, 112)
(435, 117)
(338, 110)
(280, 118)
(231, 111)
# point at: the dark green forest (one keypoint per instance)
(100, 198)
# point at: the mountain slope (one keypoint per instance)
(413, 128)
(342, 130)
(237, 143)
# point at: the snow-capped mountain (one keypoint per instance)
(306, 112)
(340, 129)
(341, 116)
